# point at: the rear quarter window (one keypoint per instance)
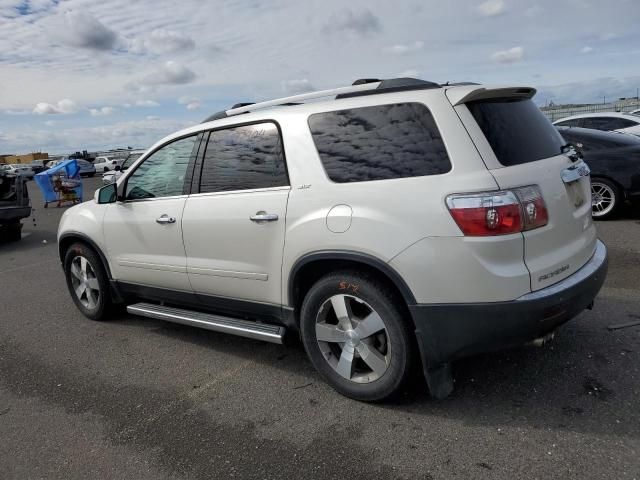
(379, 142)
(517, 130)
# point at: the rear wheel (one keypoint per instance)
(605, 198)
(355, 335)
(87, 281)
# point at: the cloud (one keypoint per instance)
(192, 103)
(512, 55)
(533, 11)
(297, 86)
(491, 8)
(152, 118)
(63, 106)
(82, 30)
(171, 73)
(586, 49)
(402, 49)
(360, 22)
(146, 103)
(162, 41)
(99, 112)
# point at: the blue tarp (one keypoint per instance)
(61, 183)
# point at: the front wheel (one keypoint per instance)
(87, 281)
(605, 198)
(356, 336)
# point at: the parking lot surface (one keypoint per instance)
(138, 398)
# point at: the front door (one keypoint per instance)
(234, 228)
(143, 233)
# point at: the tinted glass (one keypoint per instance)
(243, 158)
(378, 143)
(569, 123)
(619, 123)
(162, 174)
(517, 130)
(130, 159)
(607, 123)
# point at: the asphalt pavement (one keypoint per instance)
(138, 398)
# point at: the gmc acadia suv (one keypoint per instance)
(396, 221)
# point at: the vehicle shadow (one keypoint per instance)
(578, 383)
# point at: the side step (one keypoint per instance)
(216, 323)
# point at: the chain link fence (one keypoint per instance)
(561, 111)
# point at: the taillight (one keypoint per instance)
(498, 213)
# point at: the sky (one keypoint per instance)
(88, 74)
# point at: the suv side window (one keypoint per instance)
(244, 158)
(379, 142)
(162, 174)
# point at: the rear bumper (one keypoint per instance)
(12, 214)
(449, 331)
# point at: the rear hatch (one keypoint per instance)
(521, 147)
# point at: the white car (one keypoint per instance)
(635, 112)
(606, 121)
(20, 169)
(106, 164)
(113, 175)
(393, 222)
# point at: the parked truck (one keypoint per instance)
(14, 205)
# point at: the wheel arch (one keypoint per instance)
(311, 266)
(67, 239)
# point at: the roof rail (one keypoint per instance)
(392, 85)
(362, 86)
(304, 96)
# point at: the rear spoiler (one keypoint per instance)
(459, 95)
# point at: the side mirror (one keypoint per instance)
(107, 194)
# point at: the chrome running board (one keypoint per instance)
(216, 323)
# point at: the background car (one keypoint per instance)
(114, 175)
(20, 169)
(105, 164)
(87, 169)
(614, 160)
(635, 112)
(606, 121)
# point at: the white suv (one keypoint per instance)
(398, 221)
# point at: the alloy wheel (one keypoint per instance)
(353, 338)
(603, 199)
(85, 283)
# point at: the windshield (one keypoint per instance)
(130, 159)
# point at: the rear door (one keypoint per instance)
(234, 227)
(521, 147)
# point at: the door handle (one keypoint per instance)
(162, 219)
(263, 217)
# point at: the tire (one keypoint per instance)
(13, 231)
(85, 274)
(606, 197)
(106, 169)
(349, 342)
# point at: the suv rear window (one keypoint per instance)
(517, 130)
(379, 142)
